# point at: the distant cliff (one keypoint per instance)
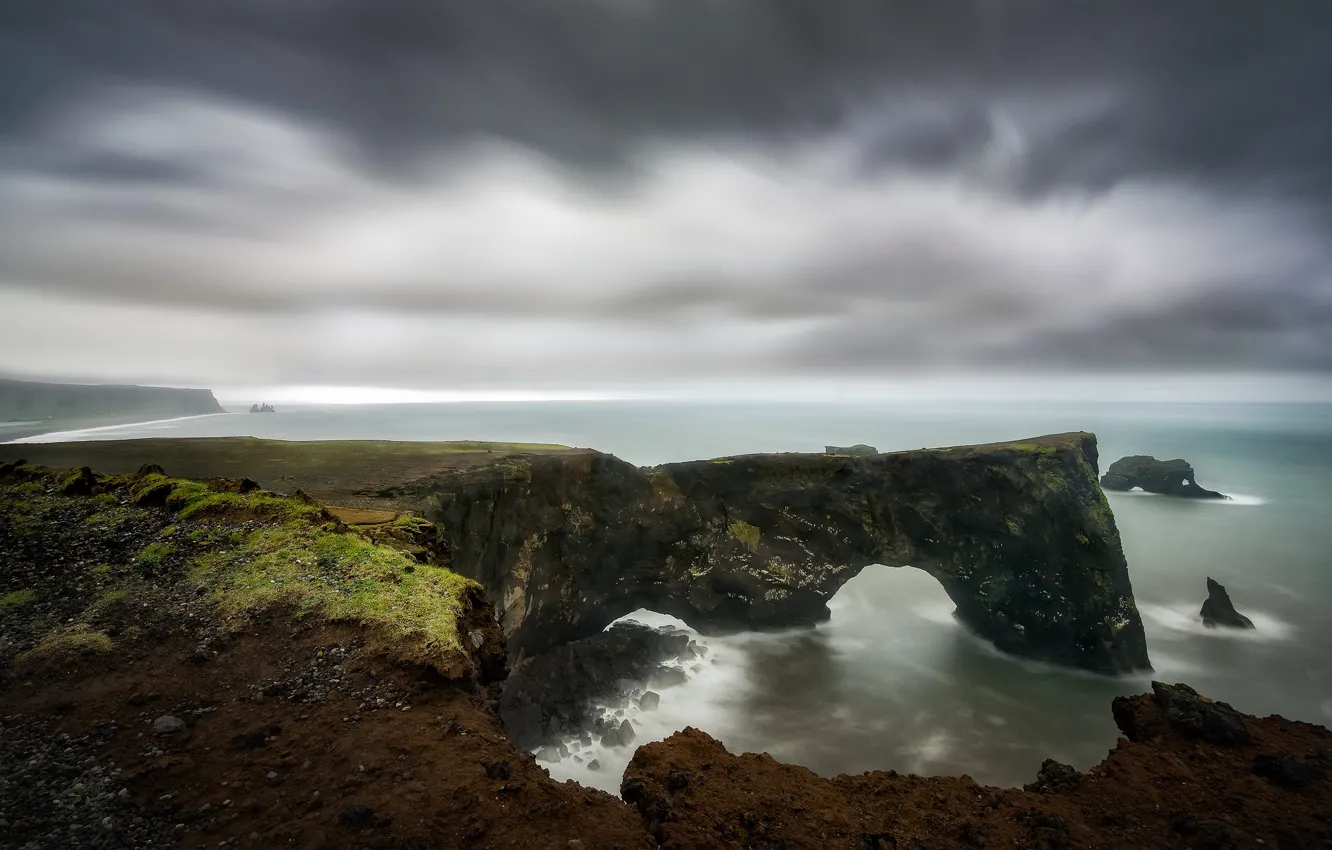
(27, 400)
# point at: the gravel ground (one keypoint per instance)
(58, 790)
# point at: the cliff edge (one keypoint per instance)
(1018, 534)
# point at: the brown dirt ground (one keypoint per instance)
(424, 770)
(1170, 791)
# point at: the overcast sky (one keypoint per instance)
(637, 193)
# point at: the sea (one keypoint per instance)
(892, 681)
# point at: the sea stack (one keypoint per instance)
(1168, 477)
(1218, 610)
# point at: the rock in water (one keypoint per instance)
(1218, 610)
(1168, 477)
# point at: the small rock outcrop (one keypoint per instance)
(1218, 610)
(262, 408)
(1168, 477)
(857, 449)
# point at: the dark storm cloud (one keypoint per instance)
(786, 185)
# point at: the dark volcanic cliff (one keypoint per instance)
(1019, 535)
(25, 400)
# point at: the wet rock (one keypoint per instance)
(548, 754)
(1218, 610)
(595, 764)
(168, 725)
(1054, 776)
(649, 701)
(1168, 477)
(668, 677)
(677, 780)
(1048, 831)
(1287, 772)
(562, 692)
(1200, 717)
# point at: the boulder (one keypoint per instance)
(1218, 610)
(649, 701)
(1167, 477)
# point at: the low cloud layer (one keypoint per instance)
(639, 192)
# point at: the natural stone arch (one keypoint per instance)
(1019, 535)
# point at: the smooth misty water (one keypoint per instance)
(892, 681)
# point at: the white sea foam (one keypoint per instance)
(936, 611)
(1244, 500)
(1181, 620)
(109, 431)
(700, 701)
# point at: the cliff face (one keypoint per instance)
(24, 400)
(1018, 534)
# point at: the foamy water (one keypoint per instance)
(1183, 620)
(137, 430)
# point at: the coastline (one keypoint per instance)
(61, 430)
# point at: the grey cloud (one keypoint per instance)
(778, 186)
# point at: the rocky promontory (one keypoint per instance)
(565, 541)
(1019, 535)
(1167, 477)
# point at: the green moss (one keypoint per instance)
(1014, 528)
(101, 569)
(30, 488)
(155, 553)
(103, 500)
(116, 594)
(18, 598)
(66, 645)
(746, 534)
(340, 576)
(256, 505)
(169, 531)
(413, 523)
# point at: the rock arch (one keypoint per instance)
(1019, 535)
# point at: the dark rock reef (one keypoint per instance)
(1218, 610)
(557, 694)
(1019, 535)
(1168, 477)
(857, 449)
